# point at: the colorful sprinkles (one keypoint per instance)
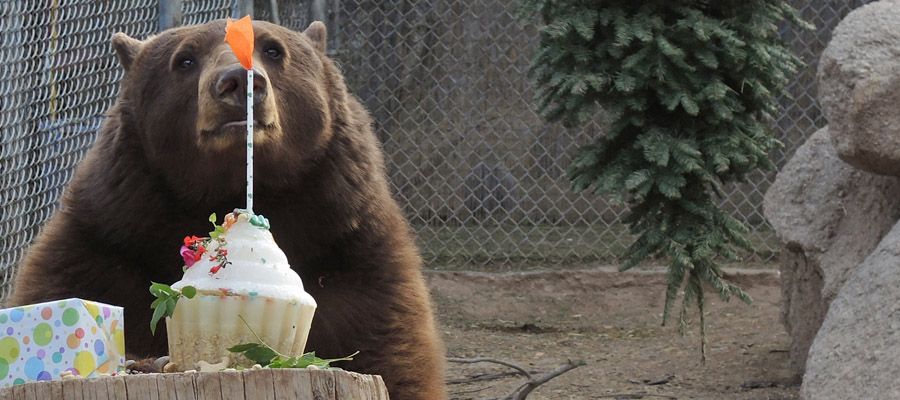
(194, 248)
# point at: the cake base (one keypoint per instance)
(204, 327)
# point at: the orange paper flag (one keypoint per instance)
(239, 36)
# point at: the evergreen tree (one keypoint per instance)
(689, 89)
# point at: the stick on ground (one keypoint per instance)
(521, 392)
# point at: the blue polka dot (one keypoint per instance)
(16, 314)
(57, 357)
(44, 376)
(33, 367)
(98, 347)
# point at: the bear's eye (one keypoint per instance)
(186, 63)
(273, 52)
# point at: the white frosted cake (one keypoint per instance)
(239, 273)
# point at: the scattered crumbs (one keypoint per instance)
(263, 260)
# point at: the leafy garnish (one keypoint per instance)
(264, 355)
(166, 298)
(306, 360)
(261, 354)
(218, 230)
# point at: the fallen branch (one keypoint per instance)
(483, 377)
(522, 391)
(651, 382)
(533, 382)
(622, 396)
(470, 391)
(521, 370)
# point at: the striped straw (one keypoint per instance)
(250, 140)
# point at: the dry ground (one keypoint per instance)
(610, 320)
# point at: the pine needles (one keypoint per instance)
(689, 89)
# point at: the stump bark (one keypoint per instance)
(262, 384)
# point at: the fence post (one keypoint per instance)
(170, 14)
(240, 8)
(318, 10)
(273, 10)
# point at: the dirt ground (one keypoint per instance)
(611, 320)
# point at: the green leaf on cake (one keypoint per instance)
(261, 354)
(159, 289)
(189, 291)
(264, 355)
(218, 230)
(157, 315)
(258, 353)
(308, 359)
(166, 299)
(242, 347)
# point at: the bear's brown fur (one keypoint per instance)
(163, 162)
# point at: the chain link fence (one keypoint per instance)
(480, 176)
(57, 78)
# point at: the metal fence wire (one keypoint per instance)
(480, 176)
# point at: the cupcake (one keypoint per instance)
(239, 273)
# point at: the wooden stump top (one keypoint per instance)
(260, 384)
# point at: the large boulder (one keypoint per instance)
(830, 216)
(859, 87)
(856, 354)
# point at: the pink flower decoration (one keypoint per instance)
(189, 256)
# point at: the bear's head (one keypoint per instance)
(182, 104)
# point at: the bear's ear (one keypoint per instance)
(316, 34)
(127, 49)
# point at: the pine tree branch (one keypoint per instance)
(688, 91)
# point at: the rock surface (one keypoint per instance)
(859, 87)
(830, 216)
(856, 354)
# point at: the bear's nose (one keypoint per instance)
(231, 86)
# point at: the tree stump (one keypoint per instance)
(260, 384)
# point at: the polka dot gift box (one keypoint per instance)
(40, 341)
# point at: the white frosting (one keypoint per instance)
(257, 267)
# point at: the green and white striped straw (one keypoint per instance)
(250, 140)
